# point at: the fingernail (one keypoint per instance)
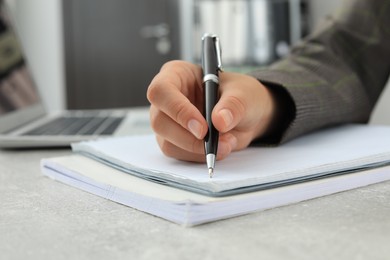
(227, 117)
(195, 128)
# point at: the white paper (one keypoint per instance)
(328, 151)
(189, 208)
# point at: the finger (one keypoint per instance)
(229, 110)
(172, 132)
(237, 140)
(244, 104)
(176, 92)
(171, 150)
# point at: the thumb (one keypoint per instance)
(228, 112)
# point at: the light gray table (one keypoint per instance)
(44, 219)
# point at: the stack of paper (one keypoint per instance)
(133, 171)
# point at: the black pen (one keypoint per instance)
(211, 65)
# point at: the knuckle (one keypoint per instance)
(182, 68)
(156, 122)
(181, 112)
(172, 63)
(245, 139)
(154, 90)
(195, 146)
(238, 104)
(166, 148)
(164, 82)
(163, 145)
(175, 64)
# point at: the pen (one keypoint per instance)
(211, 65)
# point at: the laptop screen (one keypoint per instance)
(17, 90)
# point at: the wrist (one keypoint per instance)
(281, 114)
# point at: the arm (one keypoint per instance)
(334, 77)
(337, 74)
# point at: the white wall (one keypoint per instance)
(39, 24)
(319, 9)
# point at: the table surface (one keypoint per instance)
(44, 219)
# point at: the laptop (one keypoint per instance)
(24, 122)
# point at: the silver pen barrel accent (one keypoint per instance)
(210, 160)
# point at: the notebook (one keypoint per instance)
(24, 122)
(133, 171)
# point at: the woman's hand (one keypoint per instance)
(244, 111)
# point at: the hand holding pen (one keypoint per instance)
(243, 113)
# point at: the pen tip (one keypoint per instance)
(211, 171)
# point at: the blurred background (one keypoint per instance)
(103, 54)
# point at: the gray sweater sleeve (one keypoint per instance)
(336, 74)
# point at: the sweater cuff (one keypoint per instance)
(284, 115)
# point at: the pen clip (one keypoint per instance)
(218, 52)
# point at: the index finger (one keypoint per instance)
(177, 91)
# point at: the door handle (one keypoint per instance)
(160, 32)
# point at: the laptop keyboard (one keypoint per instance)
(96, 125)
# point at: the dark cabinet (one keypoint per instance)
(114, 48)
